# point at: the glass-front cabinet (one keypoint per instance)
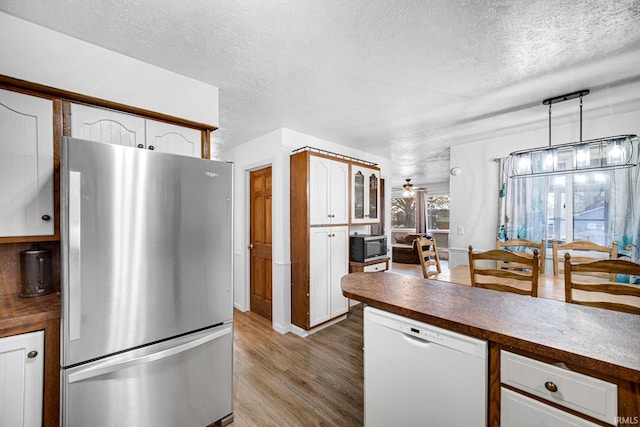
(365, 193)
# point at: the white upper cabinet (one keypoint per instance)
(365, 195)
(98, 124)
(328, 191)
(173, 139)
(26, 165)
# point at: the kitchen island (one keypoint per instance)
(598, 343)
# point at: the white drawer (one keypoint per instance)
(381, 266)
(517, 410)
(582, 393)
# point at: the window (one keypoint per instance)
(438, 213)
(403, 212)
(599, 206)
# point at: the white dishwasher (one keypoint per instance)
(417, 374)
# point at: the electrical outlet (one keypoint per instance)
(461, 230)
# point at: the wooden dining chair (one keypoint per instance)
(600, 291)
(522, 247)
(499, 279)
(428, 255)
(583, 251)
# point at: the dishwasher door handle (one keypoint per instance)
(415, 340)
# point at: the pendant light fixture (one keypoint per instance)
(613, 152)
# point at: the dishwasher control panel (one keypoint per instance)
(428, 333)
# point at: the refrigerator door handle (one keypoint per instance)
(106, 368)
(75, 273)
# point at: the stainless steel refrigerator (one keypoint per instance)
(147, 303)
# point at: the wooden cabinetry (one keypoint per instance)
(378, 265)
(365, 195)
(102, 125)
(328, 263)
(21, 379)
(329, 185)
(319, 238)
(26, 165)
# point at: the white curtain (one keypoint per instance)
(529, 199)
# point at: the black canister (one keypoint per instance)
(35, 272)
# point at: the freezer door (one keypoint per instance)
(146, 247)
(183, 382)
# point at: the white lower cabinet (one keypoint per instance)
(582, 393)
(21, 379)
(329, 256)
(517, 410)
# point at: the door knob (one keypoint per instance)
(250, 246)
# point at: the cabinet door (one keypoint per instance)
(517, 410)
(328, 191)
(26, 165)
(319, 275)
(319, 206)
(21, 379)
(365, 190)
(339, 197)
(101, 125)
(339, 262)
(173, 139)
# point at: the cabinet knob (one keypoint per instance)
(151, 147)
(250, 246)
(551, 386)
(32, 354)
(46, 217)
(140, 146)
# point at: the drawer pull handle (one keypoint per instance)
(551, 386)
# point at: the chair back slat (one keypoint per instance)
(428, 255)
(518, 246)
(511, 280)
(596, 293)
(583, 251)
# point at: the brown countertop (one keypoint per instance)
(600, 340)
(16, 312)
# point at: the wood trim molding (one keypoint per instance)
(36, 88)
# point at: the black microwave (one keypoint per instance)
(365, 247)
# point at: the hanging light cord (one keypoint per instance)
(549, 124)
(580, 117)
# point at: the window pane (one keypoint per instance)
(556, 210)
(590, 193)
(403, 212)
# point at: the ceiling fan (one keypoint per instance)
(409, 190)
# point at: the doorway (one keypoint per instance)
(260, 241)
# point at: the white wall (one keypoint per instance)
(39, 55)
(474, 193)
(274, 148)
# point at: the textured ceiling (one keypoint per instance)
(402, 79)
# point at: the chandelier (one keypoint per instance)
(613, 152)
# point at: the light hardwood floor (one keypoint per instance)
(286, 380)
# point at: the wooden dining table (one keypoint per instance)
(549, 286)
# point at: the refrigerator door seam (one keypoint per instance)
(111, 367)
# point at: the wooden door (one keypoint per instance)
(260, 242)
